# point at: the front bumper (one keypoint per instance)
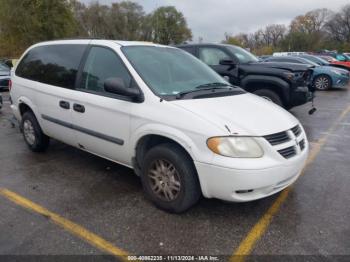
(340, 82)
(238, 185)
(300, 96)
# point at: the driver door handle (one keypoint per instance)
(64, 104)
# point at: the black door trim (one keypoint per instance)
(84, 130)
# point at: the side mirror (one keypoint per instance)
(116, 85)
(227, 62)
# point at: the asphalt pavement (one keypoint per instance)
(107, 200)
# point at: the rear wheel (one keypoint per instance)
(34, 137)
(322, 82)
(269, 95)
(169, 178)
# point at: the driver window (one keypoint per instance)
(212, 56)
(102, 63)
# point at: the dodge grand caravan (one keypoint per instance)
(159, 110)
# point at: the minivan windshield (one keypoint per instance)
(242, 55)
(171, 71)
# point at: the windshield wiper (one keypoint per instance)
(209, 86)
(214, 84)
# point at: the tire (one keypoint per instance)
(34, 137)
(322, 82)
(269, 95)
(184, 180)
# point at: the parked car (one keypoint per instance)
(10, 62)
(4, 76)
(183, 129)
(285, 85)
(323, 61)
(263, 57)
(335, 58)
(1, 101)
(324, 77)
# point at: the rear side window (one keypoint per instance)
(52, 64)
(212, 56)
(189, 49)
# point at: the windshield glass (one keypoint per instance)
(347, 57)
(316, 60)
(169, 71)
(243, 55)
(307, 61)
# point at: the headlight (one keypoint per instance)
(238, 147)
(289, 76)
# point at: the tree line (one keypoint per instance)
(25, 22)
(314, 31)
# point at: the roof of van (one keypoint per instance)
(88, 40)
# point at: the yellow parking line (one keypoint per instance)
(69, 226)
(258, 230)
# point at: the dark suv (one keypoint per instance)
(285, 84)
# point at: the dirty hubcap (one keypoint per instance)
(28, 131)
(164, 180)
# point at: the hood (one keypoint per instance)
(245, 114)
(294, 67)
(342, 70)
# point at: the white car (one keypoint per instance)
(157, 109)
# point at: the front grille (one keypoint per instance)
(296, 130)
(277, 138)
(288, 152)
(302, 144)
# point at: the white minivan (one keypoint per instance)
(159, 110)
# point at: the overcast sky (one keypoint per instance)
(210, 19)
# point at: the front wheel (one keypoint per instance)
(269, 95)
(322, 82)
(169, 178)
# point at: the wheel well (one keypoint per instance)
(24, 108)
(148, 142)
(251, 87)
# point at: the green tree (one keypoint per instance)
(126, 20)
(169, 26)
(25, 22)
(233, 40)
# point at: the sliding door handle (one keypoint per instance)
(79, 108)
